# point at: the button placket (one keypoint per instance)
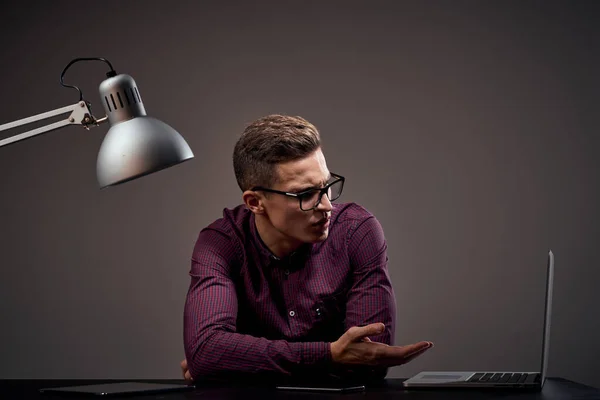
(290, 300)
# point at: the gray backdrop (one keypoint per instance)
(468, 128)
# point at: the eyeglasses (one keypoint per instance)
(311, 198)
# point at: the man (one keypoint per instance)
(288, 285)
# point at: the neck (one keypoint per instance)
(278, 243)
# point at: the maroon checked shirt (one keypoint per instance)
(251, 314)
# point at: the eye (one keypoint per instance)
(310, 195)
(307, 195)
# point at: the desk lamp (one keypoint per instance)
(135, 145)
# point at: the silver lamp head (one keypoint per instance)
(135, 145)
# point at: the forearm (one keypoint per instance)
(220, 354)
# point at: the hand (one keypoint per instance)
(355, 348)
(186, 372)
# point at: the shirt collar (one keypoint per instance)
(267, 257)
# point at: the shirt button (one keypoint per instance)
(286, 272)
(292, 313)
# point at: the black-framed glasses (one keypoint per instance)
(311, 198)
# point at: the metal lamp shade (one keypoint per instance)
(138, 147)
(135, 145)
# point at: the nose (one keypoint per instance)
(324, 204)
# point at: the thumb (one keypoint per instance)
(359, 332)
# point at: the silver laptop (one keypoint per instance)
(495, 379)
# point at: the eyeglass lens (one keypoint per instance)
(312, 199)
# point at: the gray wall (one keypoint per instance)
(468, 128)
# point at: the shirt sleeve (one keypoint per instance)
(371, 296)
(213, 348)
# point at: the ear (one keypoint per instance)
(254, 201)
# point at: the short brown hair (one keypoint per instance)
(268, 141)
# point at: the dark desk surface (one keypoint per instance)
(554, 389)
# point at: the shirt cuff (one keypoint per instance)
(315, 353)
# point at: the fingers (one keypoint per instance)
(184, 367)
(185, 371)
(357, 333)
(416, 348)
(419, 345)
(415, 355)
(397, 355)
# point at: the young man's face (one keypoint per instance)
(284, 212)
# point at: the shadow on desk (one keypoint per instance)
(554, 389)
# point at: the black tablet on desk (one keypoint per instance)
(318, 387)
(118, 389)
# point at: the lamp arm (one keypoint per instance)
(80, 115)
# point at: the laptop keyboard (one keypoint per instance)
(504, 377)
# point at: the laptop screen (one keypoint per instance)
(547, 315)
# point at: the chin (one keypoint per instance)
(319, 237)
